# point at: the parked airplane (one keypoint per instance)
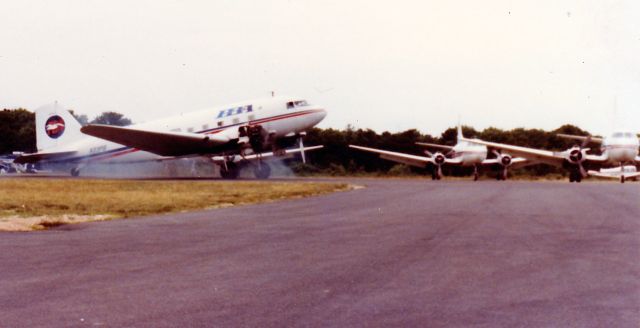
(230, 136)
(618, 149)
(464, 153)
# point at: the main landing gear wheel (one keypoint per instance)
(476, 175)
(262, 171)
(435, 176)
(575, 177)
(75, 172)
(229, 170)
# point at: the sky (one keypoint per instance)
(384, 65)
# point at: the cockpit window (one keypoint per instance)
(297, 103)
(618, 135)
(628, 135)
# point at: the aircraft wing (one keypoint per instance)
(580, 138)
(612, 175)
(43, 156)
(431, 145)
(285, 153)
(159, 143)
(535, 155)
(413, 160)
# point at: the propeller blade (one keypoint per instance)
(439, 171)
(428, 153)
(497, 153)
(301, 144)
(586, 142)
(583, 172)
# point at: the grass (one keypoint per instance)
(44, 203)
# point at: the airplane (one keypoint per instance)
(618, 149)
(464, 153)
(230, 136)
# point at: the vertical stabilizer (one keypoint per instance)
(56, 128)
(460, 136)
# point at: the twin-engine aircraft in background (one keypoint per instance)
(230, 136)
(464, 153)
(619, 152)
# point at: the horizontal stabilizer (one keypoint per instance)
(160, 143)
(431, 145)
(43, 156)
(580, 138)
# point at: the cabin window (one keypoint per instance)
(205, 127)
(297, 103)
(220, 123)
(190, 130)
(252, 117)
(618, 135)
(236, 120)
(176, 130)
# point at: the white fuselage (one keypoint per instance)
(620, 147)
(471, 154)
(278, 116)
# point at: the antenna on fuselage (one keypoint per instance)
(273, 94)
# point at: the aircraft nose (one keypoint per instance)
(319, 115)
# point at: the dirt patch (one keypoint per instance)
(18, 223)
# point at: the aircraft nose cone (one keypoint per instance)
(319, 115)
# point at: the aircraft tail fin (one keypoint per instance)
(55, 127)
(460, 136)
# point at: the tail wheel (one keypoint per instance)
(262, 171)
(229, 171)
(75, 172)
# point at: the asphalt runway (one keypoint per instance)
(396, 253)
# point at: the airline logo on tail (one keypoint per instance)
(54, 127)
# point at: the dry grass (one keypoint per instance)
(52, 202)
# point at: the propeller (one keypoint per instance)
(438, 160)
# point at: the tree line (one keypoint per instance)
(17, 133)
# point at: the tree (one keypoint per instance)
(111, 118)
(81, 118)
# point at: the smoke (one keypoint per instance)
(190, 168)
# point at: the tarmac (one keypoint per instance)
(398, 252)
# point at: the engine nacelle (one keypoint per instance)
(254, 136)
(576, 155)
(439, 158)
(505, 160)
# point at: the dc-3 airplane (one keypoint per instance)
(464, 153)
(618, 149)
(230, 136)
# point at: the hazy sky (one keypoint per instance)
(385, 65)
